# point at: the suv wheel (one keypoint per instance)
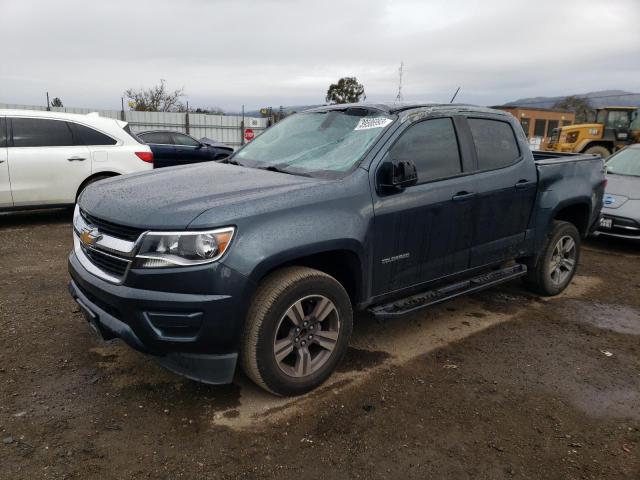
(558, 261)
(297, 330)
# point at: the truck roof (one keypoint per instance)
(397, 107)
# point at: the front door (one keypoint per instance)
(423, 232)
(44, 164)
(506, 191)
(5, 184)
(188, 149)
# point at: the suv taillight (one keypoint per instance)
(145, 156)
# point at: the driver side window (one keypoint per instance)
(432, 146)
(186, 140)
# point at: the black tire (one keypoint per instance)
(89, 182)
(598, 150)
(276, 296)
(540, 277)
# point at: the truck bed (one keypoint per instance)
(545, 157)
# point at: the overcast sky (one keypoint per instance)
(273, 52)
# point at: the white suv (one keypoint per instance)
(48, 158)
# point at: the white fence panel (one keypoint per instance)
(223, 128)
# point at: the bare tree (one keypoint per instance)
(56, 102)
(578, 105)
(155, 99)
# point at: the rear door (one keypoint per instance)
(423, 232)
(45, 166)
(161, 143)
(189, 150)
(5, 184)
(506, 189)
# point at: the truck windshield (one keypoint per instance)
(317, 143)
(626, 162)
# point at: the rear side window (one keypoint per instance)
(495, 142)
(83, 135)
(432, 146)
(162, 138)
(39, 132)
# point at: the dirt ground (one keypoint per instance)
(500, 384)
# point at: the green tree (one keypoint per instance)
(56, 102)
(347, 90)
(578, 105)
(155, 99)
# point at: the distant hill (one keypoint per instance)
(618, 98)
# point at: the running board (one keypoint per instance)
(416, 302)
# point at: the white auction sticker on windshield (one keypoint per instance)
(372, 122)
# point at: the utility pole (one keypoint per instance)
(186, 119)
(48, 104)
(122, 109)
(242, 128)
(399, 96)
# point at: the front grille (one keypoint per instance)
(108, 263)
(120, 231)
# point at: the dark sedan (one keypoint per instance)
(175, 148)
(621, 210)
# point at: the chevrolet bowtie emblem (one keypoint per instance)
(89, 236)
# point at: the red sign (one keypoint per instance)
(249, 135)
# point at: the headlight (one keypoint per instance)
(176, 249)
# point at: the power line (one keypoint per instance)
(559, 99)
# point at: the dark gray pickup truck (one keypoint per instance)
(263, 259)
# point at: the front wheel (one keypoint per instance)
(558, 261)
(297, 330)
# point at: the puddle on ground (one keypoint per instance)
(608, 402)
(607, 316)
(358, 359)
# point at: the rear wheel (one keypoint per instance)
(598, 150)
(558, 261)
(297, 330)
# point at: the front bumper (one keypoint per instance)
(194, 334)
(621, 227)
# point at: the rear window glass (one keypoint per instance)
(83, 135)
(495, 143)
(127, 129)
(39, 132)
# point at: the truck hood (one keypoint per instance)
(171, 198)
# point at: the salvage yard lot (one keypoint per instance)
(500, 384)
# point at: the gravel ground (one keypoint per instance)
(500, 384)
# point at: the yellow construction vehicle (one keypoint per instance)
(613, 129)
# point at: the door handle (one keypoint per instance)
(76, 159)
(524, 183)
(462, 196)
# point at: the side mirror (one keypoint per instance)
(396, 175)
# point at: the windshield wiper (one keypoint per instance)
(232, 162)
(279, 169)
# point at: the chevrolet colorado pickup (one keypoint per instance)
(261, 260)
